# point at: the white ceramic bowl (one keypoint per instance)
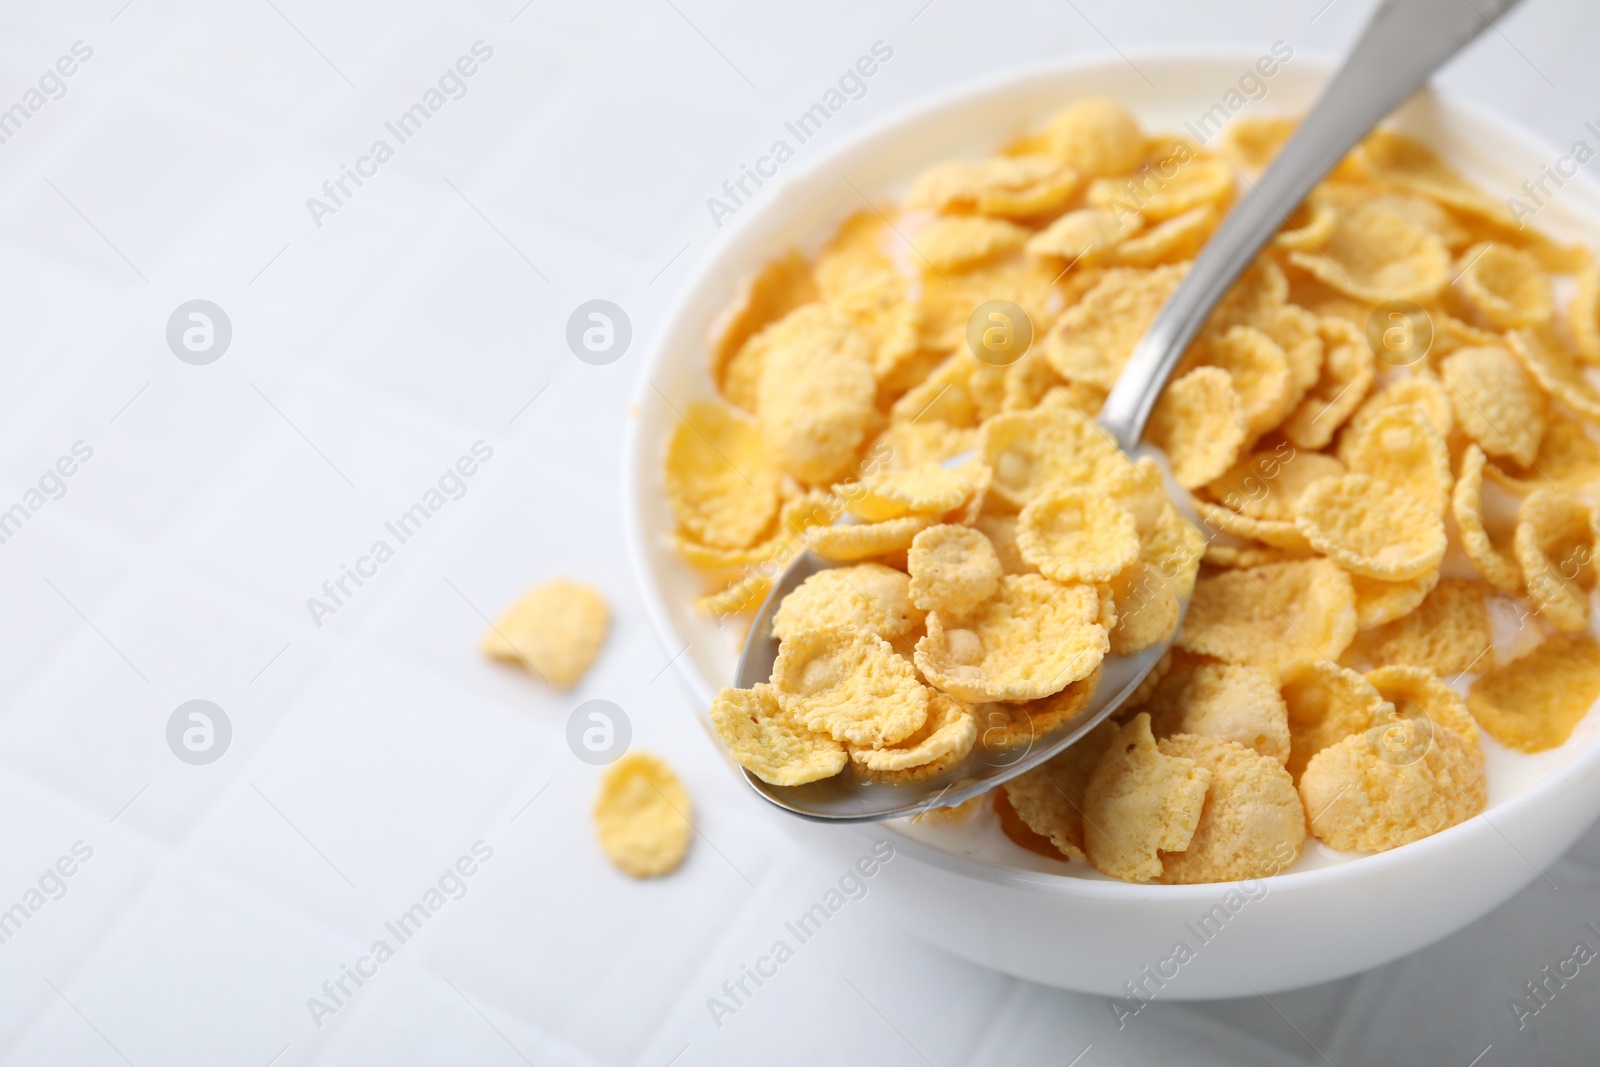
(969, 890)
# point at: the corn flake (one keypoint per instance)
(1171, 240)
(943, 741)
(1378, 601)
(1398, 446)
(1017, 831)
(1052, 445)
(1008, 186)
(1252, 824)
(1497, 402)
(1260, 292)
(1583, 313)
(1255, 141)
(890, 324)
(1201, 182)
(867, 596)
(1505, 287)
(1029, 640)
(948, 300)
(1326, 703)
(1139, 803)
(1272, 616)
(1258, 370)
(1356, 799)
(817, 393)
(1418, 691)
(777, 289)
(798, 516)
(1532, 704)
(1097, 137)
(1371, 528)
(1266, 485)
(1568, 459)
(739, 596)
(1085, 236)
(951, 242)
(1225, 702)
(1232, 556)
(960, 392)
(851, 685)
(1278, 533)
(1299, 333)
(719, 478)
(1077, 535)
(769, 743)
(926, 489)
(1421, 393)
(1004, 726)
(1377, 253)
(1168, 543)
(855, 257)
(1555, 545)
(847, 542)
(953, 569)
(1556, 370)
(1092, 340)
(1200, 424)
(905, 445)
(642, 816)
(1448, 634)
(1001, 530)
(1450, 335)
(1498, 568)
(1395, 158)
(1424, 212)
(1029, 379)
(1049, 798)
(952, 814)
(555, 630)
(1347, 371)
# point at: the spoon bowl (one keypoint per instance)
(852, 797)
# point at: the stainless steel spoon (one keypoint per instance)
(1405, 42)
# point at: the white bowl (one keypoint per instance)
(971, 891)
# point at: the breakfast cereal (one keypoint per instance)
(1251, 823)
(1049, 798)
(952, 569)
(555, 630)
(1492, 561)
(642, 816)
(1139, 803)
(1077, 535)
(1029, 640)
(994, 545)
(771, 743)
(1225, 702)
(1533, 703)
(1200, 424)
(850, 684)
(1448, 632)
(1358, 797)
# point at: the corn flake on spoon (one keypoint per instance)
(1404, 43)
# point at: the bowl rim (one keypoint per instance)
(1321, 64)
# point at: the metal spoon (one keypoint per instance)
(1404, 42)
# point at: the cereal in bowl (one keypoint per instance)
(1384, 427)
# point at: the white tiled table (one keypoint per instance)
(372, 752)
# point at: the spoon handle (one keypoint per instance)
(1405, 42)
